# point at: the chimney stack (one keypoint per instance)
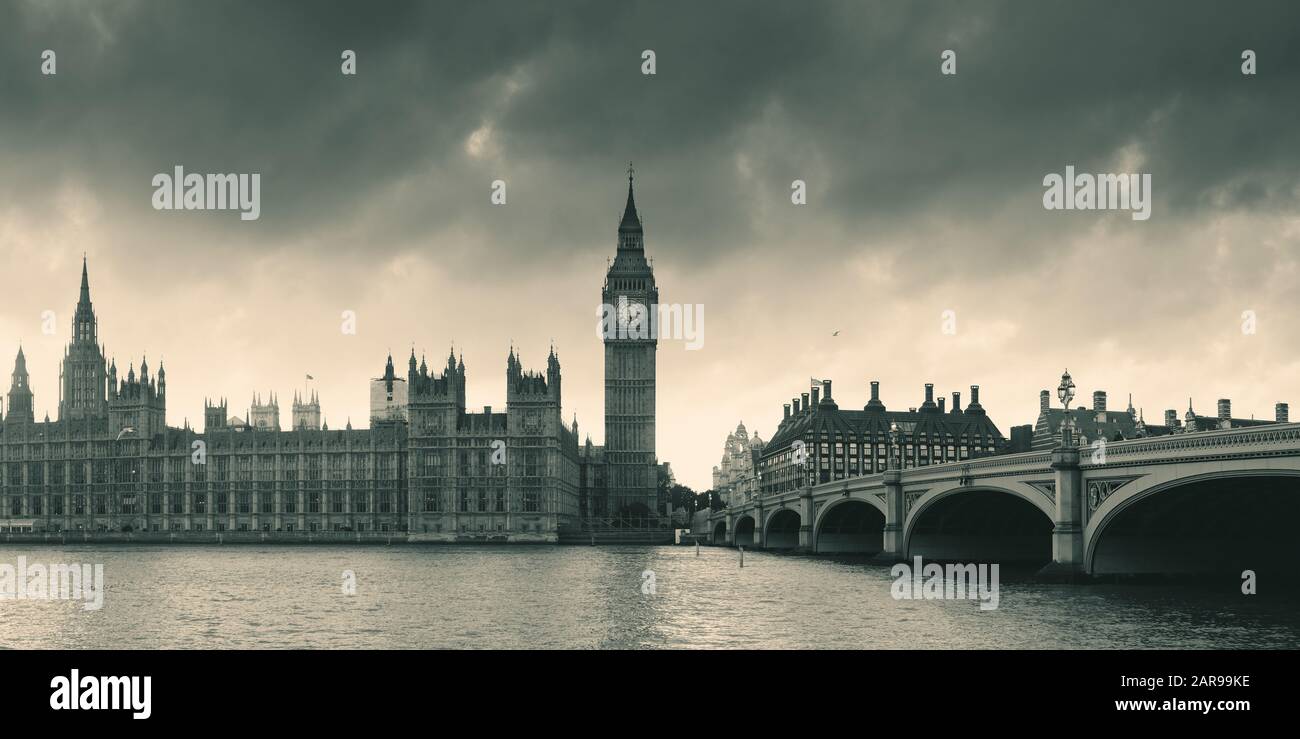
(1171, 418)
(875, 389)
(1225, 409)
(1044, 401)
(1098, 401)
(956, 402)
(816, 396)
(941, 405)
(1281, 411)
(826, 389)
(787, 410)
(974, 394)
(795, 403)
(804, 397)
(929, 393)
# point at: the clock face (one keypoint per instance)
(626, 311)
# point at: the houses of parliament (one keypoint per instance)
(426, 469)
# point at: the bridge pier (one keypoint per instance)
(760, 527)
(893, 547)
(806, 543)
(1067, 532)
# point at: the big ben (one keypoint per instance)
(630, 292)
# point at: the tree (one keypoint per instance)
(682, 497)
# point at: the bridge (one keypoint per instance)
(1215, 501)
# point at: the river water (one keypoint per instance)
(592, 598)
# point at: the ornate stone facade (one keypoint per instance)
(735, 478)
(111, 464)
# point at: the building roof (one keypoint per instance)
(631, 222)
(874, 420)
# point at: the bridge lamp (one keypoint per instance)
(1065, 392)
(895, 444)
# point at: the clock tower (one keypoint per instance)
(630, 346)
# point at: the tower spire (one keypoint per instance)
(85, 282)
(631, 222)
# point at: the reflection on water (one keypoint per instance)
(591, 597)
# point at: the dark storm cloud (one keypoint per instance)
(843, 95)
(925, 193)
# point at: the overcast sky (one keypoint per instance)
(924, 195)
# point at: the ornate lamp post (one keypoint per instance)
(895, 447)
(1065, 392)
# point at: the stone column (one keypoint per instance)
(895, 514)
(1067, 534)
(760, 536)
(806, 522)
(730, 539)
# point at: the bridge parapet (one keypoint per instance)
(1254, 441)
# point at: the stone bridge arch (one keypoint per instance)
(781, 530)
(994, 522)
(744, 533)
(719, 533)
(850, 524)
(1224, 516)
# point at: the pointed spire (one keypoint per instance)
(85, 282)
(631, 222)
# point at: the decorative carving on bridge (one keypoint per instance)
(1046, 487)
(910, 498)
(881, 497)
(967, 479)
(1100, 490)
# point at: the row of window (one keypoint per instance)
(137, 470)
(481, 500)
(202, 503)
(816, 463)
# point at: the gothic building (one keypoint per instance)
(427, 467)
(735, 478)
(490, 473)
(306, 412)
(84, 376)
(110, 463)
(388, 397)
(631, 472)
